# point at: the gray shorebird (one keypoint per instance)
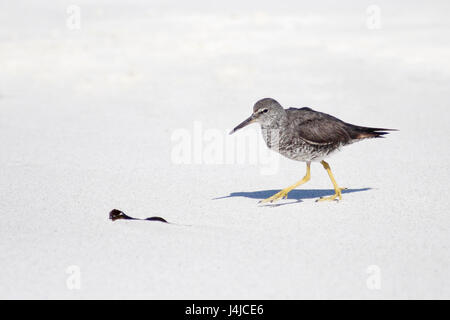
(305, 135)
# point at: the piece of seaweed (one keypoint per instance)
(116, 214)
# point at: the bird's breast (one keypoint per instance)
(295, 148)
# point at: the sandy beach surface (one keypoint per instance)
(128, 105)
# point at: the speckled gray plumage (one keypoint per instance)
(304, 134)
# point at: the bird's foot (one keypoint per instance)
(337, 196)
(280, 195)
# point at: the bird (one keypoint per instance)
(306, 135)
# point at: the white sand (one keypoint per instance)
(87, 117)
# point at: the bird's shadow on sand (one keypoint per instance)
(298, 195)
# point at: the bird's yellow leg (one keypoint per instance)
(284, 193)
(338, 190)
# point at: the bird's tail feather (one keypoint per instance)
(358, 132)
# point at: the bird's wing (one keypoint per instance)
(317, 128)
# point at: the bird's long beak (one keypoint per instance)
(245, 123)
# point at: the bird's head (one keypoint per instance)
(266, 112)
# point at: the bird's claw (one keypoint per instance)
(336, 197)
(280, 195)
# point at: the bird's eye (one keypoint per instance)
(265, 111)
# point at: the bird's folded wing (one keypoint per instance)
(317, 128)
